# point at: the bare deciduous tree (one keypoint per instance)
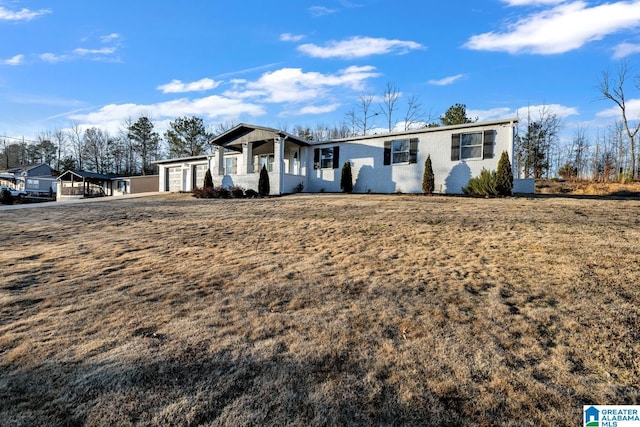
(388, 104)
(612, 88)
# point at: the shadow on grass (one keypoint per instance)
(196, 387)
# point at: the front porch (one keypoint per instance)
(243, 151)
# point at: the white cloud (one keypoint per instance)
(103, 51)
(53, 58)
(291, 85)
(358, 47)
(21, 15)
(563, 28)
(625, 49)
(313, 109)
(177, 86)
(447, 80)
(15, 60)
(109, 38)
(110, 117)
(632, 110)
(317, 11)
(491, 114)
(535, 111)
(288, 37)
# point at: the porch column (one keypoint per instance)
(247, 156)
(218, 162)
(278, 169)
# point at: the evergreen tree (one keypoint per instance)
(504, 176)
(187, 136)
(456, 115)
(208, 179)
(145, 141)
(346, 178)
(428, 184)
(263, 182)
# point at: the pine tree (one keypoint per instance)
(428, 184)
(208, 179)
(263, 182)
(504, 175)
(346, 178)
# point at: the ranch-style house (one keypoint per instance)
(385, 163)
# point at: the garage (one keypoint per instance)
(174, 179)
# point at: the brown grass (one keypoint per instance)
(319, 310)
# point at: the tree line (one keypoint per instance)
(131, 151)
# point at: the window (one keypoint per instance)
(266, 160)
(472, 146)
(230, 165)
(326, 158)
(401, 151)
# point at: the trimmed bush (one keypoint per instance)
(428, 180)
(504, 176)
(237, 192)
(482, 185)
(346, 178)
(251, 193)
(263, 183)
(208, 179)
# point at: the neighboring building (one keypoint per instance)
(35, 179)
(75, 184)
(385, 163)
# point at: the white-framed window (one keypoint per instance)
(266, 160)
(326, 158)
(472, 145)
(400, 151)
(230, 165)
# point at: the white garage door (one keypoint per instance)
(175, 179)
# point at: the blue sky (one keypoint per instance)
(298, 62)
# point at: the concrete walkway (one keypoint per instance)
(74, 201)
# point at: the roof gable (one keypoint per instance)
(244, 133)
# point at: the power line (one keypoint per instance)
(19, 138)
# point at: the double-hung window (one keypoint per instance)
(326, 158)
(267, 160)
(401, 151)
(230, 165)
(472, 145)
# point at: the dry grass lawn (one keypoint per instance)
(317, 310)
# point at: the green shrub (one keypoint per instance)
(251, 193)
(428, 180)
(504, 176)
(482, 185)
(346, 178)
(237, 192)
(208, 179)
(263, 183)
(299, 187)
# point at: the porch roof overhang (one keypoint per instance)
(244, 133)
(85, 176)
